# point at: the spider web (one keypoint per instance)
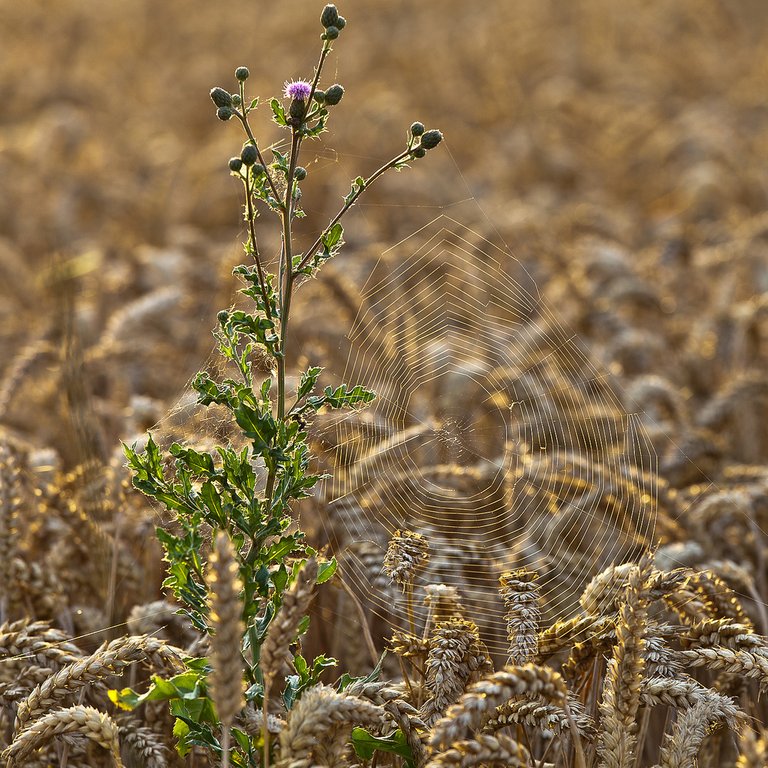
(493, 433)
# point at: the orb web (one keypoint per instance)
(493, 434)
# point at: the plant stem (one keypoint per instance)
(252, 240)
(286, 268)
(225, 748)
(347, 205)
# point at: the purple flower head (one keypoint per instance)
(297, 89)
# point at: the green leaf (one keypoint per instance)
(341, 397)
(308, 381)
(366, 744)
(326, 570)
(278, 112)
(346, 679)
(332, 236)
(358, 185)
(196, 463)
(259, 427)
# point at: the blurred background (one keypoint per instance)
(618, 150)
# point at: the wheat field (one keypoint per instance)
(553, 518)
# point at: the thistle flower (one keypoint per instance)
(297, 89)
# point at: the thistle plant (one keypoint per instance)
(247, 494)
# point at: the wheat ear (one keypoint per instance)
(480, 702)
(108, 660)
(87, 721)
(276, 649)
(682, 746)
(455, 656)
(484, 749)
(225, 614)
(319, 710)
(520, 592)
(621, 691)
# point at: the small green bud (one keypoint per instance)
(223, 316)
(235, 164)
(331, 33)
(419, 152)
(417, 129)
(431, 139)
(300, 173)
(329, 16)
(224, 113)
(221, 98)
(333, 95)
(341, 22)
(249, 155)
(298, 108)
(241, 73)
(257, 169)
(236, 101)
(319, 96)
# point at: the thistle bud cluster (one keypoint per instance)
(332, 22)
(426, 139)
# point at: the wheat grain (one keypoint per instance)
(681, 747)
(407, 554)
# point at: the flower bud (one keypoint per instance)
(300, 173)
(236, 102)
(333, 95)
(223, 316)
(341, 22)
(417, 129)
(329, 16)
(241, 73)
(220, 97)
(249, 155)
(319, 96)
(224, 113)
(419, 152)
(331, 33)
(431, 139)
(257, 169)
(297, 108)
(235, 164)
